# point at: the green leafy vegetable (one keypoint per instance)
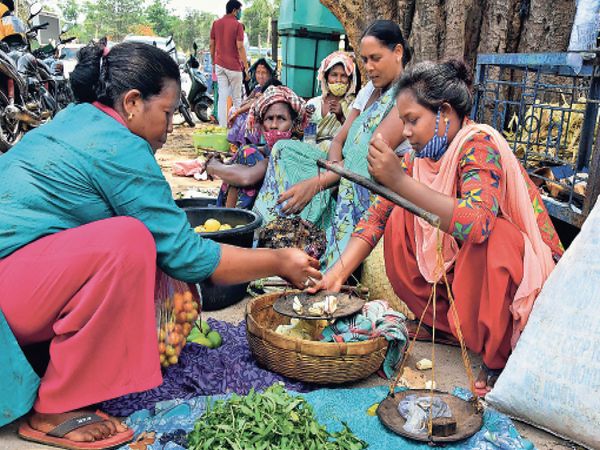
(270, 420)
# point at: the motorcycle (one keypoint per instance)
(184, 105)
(199, 99)
(25, 101)
(61, 91)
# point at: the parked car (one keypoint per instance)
(164, 43)
(68, 55)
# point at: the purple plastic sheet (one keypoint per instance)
(204, 371)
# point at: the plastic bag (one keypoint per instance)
(416, 412)
(584, 32)
(178, 306)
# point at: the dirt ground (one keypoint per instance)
(449, 366)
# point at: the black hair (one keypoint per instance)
(127, 66)
(271, 82)
(232, 5)
(9, 4)
(435, 83)
(390, 35)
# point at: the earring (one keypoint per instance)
(130, 116)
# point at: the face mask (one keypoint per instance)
(437, 146)
(272, 136)
(337, 89)
(238, 15)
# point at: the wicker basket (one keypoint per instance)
(308, 361)
(375, 278)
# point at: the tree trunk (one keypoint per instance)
(439, 29)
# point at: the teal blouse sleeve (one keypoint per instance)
(131, 181)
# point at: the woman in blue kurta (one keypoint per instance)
(86, 217)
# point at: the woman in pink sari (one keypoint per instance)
(498, 244)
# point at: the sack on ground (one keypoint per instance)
(552, 379)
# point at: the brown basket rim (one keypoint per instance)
(314, 348)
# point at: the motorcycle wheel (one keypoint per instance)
(202, 111)
(184, 109)
(10, 130)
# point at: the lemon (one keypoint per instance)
(225, 226)
(199, 229)
(203, 340)
(214, 338)
(212, 225)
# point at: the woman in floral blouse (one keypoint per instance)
(497, 241)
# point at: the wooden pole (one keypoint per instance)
(386, 193)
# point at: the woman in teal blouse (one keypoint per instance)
(86, 216)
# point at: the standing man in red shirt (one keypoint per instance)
(229, 57)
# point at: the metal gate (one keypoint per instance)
(549, 116)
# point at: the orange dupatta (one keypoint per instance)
(515, 206)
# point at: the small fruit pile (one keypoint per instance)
(203, 335)
(212, 225)
(176, 318)
(211, 129)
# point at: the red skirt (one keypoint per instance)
(90, 292)
(484, 280)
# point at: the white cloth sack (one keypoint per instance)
(552, 379)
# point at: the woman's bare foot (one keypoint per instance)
(486, 379)
(88, 433)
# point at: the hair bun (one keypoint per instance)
(462, 71)
(85, 77)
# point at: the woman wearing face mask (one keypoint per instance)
(298, 188)
(337, 76)
(280, 114)
(86, 217)
(262, 75)
(498, 242)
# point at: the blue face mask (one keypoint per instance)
(238, 15)
(437, 146)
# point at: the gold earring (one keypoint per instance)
(130, 116)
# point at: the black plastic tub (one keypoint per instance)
(215, 296)
(198, 202)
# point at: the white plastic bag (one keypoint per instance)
(584, 31)
(552, 380)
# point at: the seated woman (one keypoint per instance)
(262, 75)
(87, 215)
(337, 75)
(279, 114)
(497, 241)
(293, 184)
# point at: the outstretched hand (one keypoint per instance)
(298, 268)
(384, 165)
(329, 283)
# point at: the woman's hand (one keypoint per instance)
(336, 108)
(384, 165)
(297, 197)
(298, 268)
(212, 165)
(231, 119)
(331, 282)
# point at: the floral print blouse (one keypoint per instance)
(477, 204)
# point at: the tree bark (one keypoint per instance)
(439, 29)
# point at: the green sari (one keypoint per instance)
(292, 162)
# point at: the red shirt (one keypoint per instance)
(226, 32)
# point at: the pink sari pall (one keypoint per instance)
(515, 206)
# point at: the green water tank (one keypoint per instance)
(308, 32)
(310, 15)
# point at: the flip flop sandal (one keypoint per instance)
(426, 333)
(55, 437)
